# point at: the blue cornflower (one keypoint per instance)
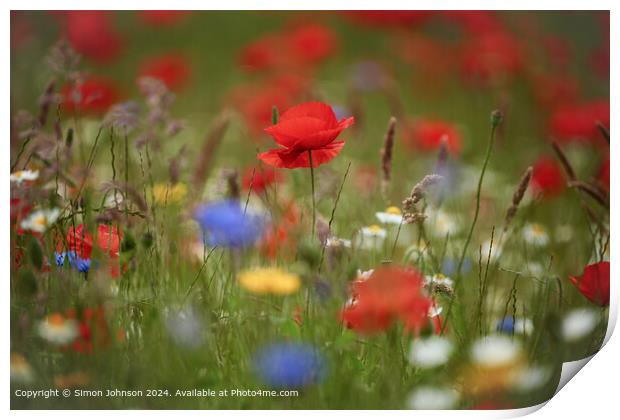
(82, 265)
(512, 325)
(60, 258)
(289, 365)
(225, 223)
(450, 265)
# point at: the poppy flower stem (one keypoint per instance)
(312, 184)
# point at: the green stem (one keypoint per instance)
(312, 184)
(473, 223)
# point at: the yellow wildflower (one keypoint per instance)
(169, 194)
(269, 280)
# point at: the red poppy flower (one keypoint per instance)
(172, 69)
(475, 22)
(19, 209)
(255, 102)
(548, 178)
(260, 54)
(163, 17)
(260, 178)
(491, 58)
(308, 127)
(552, 90)
(80, 241)
(91, 97)
(594, 283)
(578, 121)
(426, 134)
(311, 43)
(390, 294)
(109, 239)
(389, 18)
(90, 33)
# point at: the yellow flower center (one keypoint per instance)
(41, 221)
(393, 210)
(538, 229)
(375, 229)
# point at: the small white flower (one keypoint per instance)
(392, 216)
(21, 371)
(579, 323)
(535, 234)
(434, 311)
(185, 327)
(433, 398)
(40, 220)
(430, 352)
(495, 351)
(444, 224)
(57, 329)
(531, 378)
(364, 275)
(371, 237)
(496, 250)
(25, 175)
(333, 242)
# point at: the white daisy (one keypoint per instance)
(434, 311)
(391, 216)
(40, 220)
(495, 351)
(443, 224)
(20, 369)
(531, 378)
(535, 234)
(25, 175)
(371, 237)
(563, 233)
(433, 398)
(430, 352)
(579, 323)
(57, 329)
(364, 275)
(496, 250)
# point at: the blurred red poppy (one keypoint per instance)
(426, 134)
(594, 283)
(389, 18)
(260, 55)
(548, 178)
(491, 59)
(109, 239)
(258, 179)
(91, 34)
(80, 241)
(173, 69)
(553, 90)
(475, 22)
(390, 294)
(306, 128)
(91, 97)
(603, 173)
(311, 43)
(577, 122)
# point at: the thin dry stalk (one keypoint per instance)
(386, 154)
(209, 147)
(518, 196)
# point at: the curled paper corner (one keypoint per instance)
(569, 370)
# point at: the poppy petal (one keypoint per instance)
(316, 110)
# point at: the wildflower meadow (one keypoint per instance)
(306, 210)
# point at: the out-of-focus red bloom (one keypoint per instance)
(603, 173)
(92, 97)
(93, 329)
(163, 17)
(80, 241)
(310, 127)
(91, 34)
(172, 69)
(426, 134)
(255, 102)
(432, 60)
(260, 55)
(278, 240)
(577, 122)
(475, 22)
(594, 283)
(109, 239)
(557, 50)
(21, 29)
(389, 18)
(296, 49)
(19, 209)
(548, 178)
(259, 178)
(553, 90)
(311, 43)
(491, 59)
(389, 295)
